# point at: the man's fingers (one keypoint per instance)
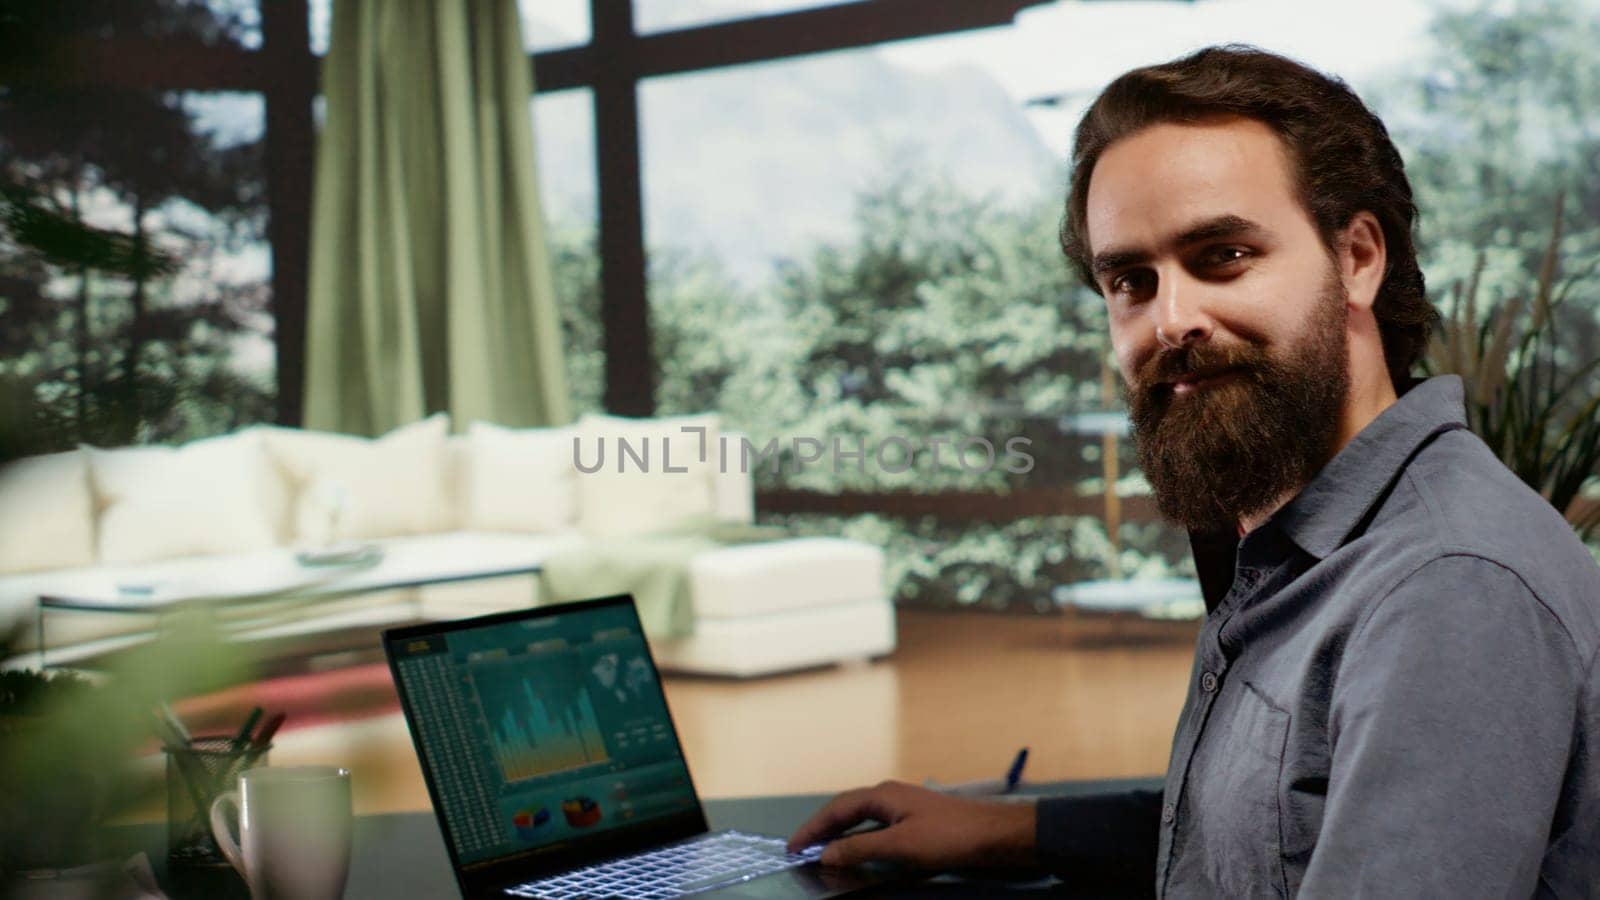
(835, 816)
(861, 848)
(839, 814)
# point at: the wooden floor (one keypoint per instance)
(964, 691)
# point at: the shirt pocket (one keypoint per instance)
(1242, 822)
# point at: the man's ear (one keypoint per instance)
(1363, 259)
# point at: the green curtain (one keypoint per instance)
(430, 283)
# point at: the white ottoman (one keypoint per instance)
(782, 605)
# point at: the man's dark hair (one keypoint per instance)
(1344, 162)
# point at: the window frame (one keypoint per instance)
(612, 64)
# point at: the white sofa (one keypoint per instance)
(226, 515)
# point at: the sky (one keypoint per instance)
(1073, 47)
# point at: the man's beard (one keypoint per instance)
(1232, 449)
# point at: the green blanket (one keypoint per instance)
(654, 568)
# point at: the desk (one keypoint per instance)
(402, 855)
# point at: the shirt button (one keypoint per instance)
(1168, 813)
(1208, 682)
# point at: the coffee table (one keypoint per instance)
(403, 855)
(267, 596)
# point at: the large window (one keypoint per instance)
(857, 250)
(851, 255)
(553, 24)
(840, 243)
(666, 15)
(563, 127)
(137, 294)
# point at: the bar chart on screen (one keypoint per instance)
(539, 731)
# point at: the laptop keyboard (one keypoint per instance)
(703, 864)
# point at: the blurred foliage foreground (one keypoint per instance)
(70, 745)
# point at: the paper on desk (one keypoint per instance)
(990, 788)
(129, 880)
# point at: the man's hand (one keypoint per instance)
(925, 829)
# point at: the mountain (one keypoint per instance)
(755, 163)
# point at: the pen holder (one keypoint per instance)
(196, 775)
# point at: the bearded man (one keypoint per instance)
(1395, 689)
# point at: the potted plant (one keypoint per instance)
(1537, 410)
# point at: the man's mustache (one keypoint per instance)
(1186, 362)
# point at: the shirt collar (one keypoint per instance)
(1322, 516)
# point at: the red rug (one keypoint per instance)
(342, 695)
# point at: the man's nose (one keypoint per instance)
(1180, 315)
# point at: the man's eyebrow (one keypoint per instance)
(1224, 226)
(1112, 260)
(1221, 227)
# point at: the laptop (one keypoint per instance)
(556, 772)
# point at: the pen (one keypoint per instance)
(171, 718)
(262, 740)
(167, 734)
(268, 730)
(242, 739)
(1014, 774)
(179, 750)
(987, 787)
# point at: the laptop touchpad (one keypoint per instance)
(809, 882)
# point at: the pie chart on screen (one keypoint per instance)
(581, 812)
(530, 823)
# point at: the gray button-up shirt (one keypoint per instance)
(1394, 693)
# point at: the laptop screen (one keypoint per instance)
(541, 729)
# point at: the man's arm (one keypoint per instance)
(1451, 724)
(1102, 841)
(1099, 841)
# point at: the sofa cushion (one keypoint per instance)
(734, 480)
(381, 487)
(46, 513)
(643, 490)
(455, 474)
(777, 576)
(518, 481)
(208, 497)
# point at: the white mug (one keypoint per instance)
(294, 831)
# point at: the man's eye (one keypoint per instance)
(1221, 256)
(1133, 283)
